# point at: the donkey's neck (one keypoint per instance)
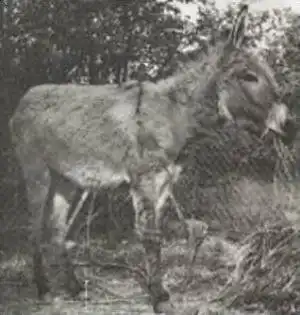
(195, 87)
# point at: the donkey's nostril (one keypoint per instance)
(290, 129)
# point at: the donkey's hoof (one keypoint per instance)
(191, 311)
(83, 296)
(75, 288)
(47, 298)
(165, 307)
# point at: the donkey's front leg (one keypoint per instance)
(148, 196)
(151, 238)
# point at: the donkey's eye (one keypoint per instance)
(248, 76)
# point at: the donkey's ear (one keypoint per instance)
(237, 34)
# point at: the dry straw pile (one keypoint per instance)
(267, 273)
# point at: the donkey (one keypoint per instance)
(70, 137)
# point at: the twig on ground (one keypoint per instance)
(104, 288)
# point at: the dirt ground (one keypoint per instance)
(118, 293)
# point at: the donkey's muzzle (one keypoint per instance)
(290, 130)
(280, 122)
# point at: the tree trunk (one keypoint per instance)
(93, 68)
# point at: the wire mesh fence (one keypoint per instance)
(239, 183)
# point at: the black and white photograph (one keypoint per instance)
(150, 157)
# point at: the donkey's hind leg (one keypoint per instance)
(37, 182)
(59, 266)
(52, 269)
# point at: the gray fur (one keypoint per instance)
(89, 133)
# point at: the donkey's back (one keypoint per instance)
(57, 100)
(89, 133)
(76, 129)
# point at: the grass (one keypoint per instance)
(118, 292)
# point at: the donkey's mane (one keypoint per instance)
(193, 70)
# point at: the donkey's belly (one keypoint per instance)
(92, 174)
(97, 176)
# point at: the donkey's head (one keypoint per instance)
(248, 93)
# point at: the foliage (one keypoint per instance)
(101, 38)
(105, 41)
